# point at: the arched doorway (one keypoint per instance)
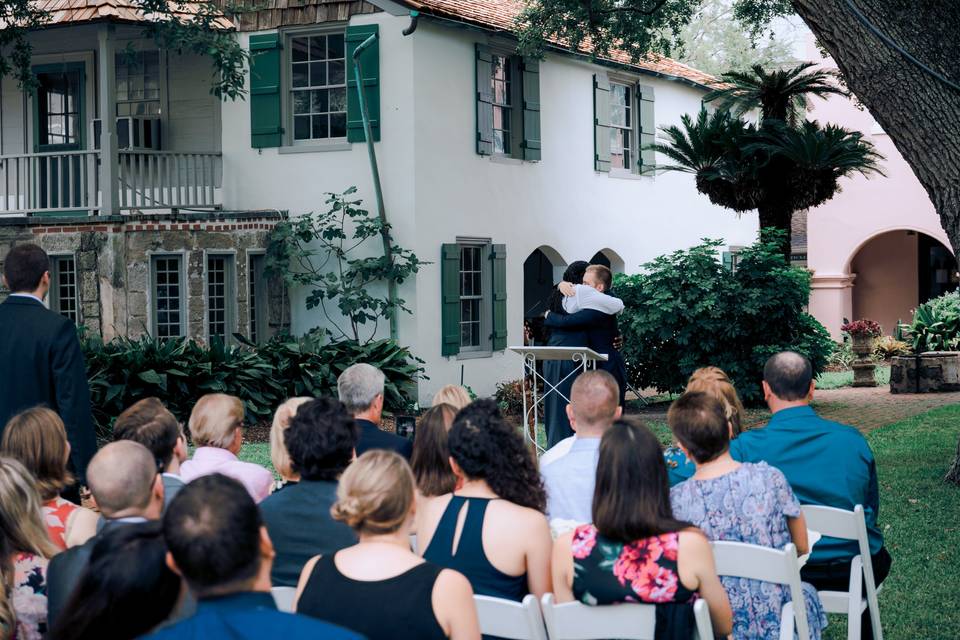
(897, 270)
(608, 258)
(541, 270)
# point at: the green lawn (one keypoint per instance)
(839, 379)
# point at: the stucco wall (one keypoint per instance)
(886, 288)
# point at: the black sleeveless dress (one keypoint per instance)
(398, 607)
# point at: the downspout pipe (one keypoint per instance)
(378, 191)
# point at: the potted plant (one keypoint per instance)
(862, 335)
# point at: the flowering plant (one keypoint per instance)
(865, 328)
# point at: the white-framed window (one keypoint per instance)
(318, 87)
(138, 83)
(622, 136)
(502, 85)
(63, 295)
(168, 296)
(221, 295)
(474, 297)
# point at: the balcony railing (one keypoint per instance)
(168, 179)
(51, 182)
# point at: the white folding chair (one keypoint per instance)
(284, 597)
(849, 525)
(576, 621)
(509, 619)
(740, 560)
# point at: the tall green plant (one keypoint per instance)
(323, 252)
(936, 325)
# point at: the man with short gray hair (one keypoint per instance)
(361, 390)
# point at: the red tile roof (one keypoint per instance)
(501, 15)
(72, 11)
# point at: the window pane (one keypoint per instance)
(299, 47)
(318, 101)
(301, 102)
(318, 74)
(338, 99)
(320, 129)
(335, 45)
(338, 125)
(335, 70)
(301, 127)
(300, 75)
(318, 48)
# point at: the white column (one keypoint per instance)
(110, 203)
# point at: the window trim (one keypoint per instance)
(485, 348)
(230, 293)
(53, 296)
(251, 301)
(516, 102)
(632, 126)
(152, 256)
(287, 34)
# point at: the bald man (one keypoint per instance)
(569, 468)
(127, 488)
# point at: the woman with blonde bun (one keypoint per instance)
(279, 455)
(378, 587)
(454, 395)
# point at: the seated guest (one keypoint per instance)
(431, 455)
(826, 463)
(220, 547)
(496, 517)
(128, 490)
(454, 395)
(636, 550)
(127, 589)
(715, 382)
(37, 438)
(216, 426)
(746, 502)
(361, 391)
(320, 441)
(278, 449)
(377, 499)
(152, 425)
(27, 550)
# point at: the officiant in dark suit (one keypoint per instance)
(40, 358)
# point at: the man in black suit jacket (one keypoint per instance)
(128, 490)
(40, 358)
(361, 390)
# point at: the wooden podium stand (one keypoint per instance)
(533, 409)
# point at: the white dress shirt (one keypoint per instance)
(586, 297)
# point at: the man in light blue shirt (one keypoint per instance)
(569, 468)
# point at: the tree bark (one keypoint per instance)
(919, 112)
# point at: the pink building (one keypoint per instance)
(877, 249)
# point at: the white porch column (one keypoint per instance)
(110, 203)
(831, 300)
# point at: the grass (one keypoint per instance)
(840, 379)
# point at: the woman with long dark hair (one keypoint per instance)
(503, 540)
(635, 550)
(126, 590)
(431, 455)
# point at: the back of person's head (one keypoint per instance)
(431, 453)
(21, 516)
(321, 439)
(594, 401)
(126, 590)
(486, 447)
(24, 267)
(359, 385)
(37, 438)
(699, 423)
(788, 374)
(215, 419)
(213, 532)
(602, 274)
(376, 493)
(572, 274)
(715, 382)
(279, 455)
(122, 477)
(453, 395)
(151, 424)
(631, 499)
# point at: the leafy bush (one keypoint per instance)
(864, 327)
(509, 397)
(687, 311)
(179, 371)
(887, 347)
(842, 356)
(936, 325)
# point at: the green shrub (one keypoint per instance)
(936, 325)
(887, 347)
(179, 371)
(509, 397)
(842, 356)
(687, 311)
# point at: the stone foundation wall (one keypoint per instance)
(112, 256)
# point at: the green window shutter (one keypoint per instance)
(484, 100)
(727, 260)
(450, 299)
(370, 68)
(648, 128)
(266, 118)
(530, 72)
(498, 256)
(601, 122)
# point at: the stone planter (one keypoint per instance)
(930, 372)
(863, 367)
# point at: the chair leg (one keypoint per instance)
(786, 622)
(855, 590)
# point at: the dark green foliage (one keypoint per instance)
(936, 325)
(686, 311)
(179, 371)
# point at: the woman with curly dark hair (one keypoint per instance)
(496, 517)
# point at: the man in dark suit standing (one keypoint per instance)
(361, 391)
(40, 358)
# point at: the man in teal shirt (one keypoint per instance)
(826, 463)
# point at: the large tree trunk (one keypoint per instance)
(772, 217)
(919, 112)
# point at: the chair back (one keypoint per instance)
(740, 560)
(509, 619)
(577, 621)
(284, 597)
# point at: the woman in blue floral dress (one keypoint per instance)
(750, 503)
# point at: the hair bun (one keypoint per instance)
(350, 510)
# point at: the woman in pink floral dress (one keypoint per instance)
(635, 550)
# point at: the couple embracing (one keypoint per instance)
(581, 314)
